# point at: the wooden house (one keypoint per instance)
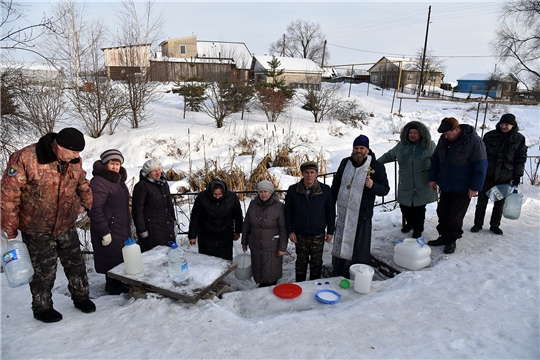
(123, 60)
(299, 73)
(187, 57)
(484, 83)
(386, 73)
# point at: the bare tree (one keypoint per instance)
(11, 126)
(72, 42)
(320, 102)
(136, 30)
(493, 81)
(21, 38)
(41, 103)
(432, 66)
(303, 39)
(517, 41)
(102, 104)
(225, 96)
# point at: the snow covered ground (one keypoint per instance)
(480, 302)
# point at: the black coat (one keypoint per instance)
(153, 212)
(506, 154)
(310, 217)
(109, 215)
(214, 222)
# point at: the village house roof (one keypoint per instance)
(289, 64)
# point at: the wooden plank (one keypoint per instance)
(205, 272)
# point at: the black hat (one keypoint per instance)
(71, 139)
(508, 119)
(447, 124)
(111, 154)
(361, 140)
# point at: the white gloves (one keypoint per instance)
(106, 240)
(144, 235)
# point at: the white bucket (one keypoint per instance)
(362, 278)
(353, 270)
(412, 255)
(243, 271)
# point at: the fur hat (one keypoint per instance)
(447, 124)
(265, 185)
(508, 119)
(111, 154)
(70, 138)
(151, 165)
(309, 165)
(361, 140)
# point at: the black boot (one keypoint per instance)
(115, 287)
(450, 247)
(439, 242)
(48, 316)
(86, 306)
(496, 230)
(406, 228)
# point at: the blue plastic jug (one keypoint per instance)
(512, 205)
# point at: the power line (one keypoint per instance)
(412, 56)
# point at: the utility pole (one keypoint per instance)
(283, 48)
(421, 84)
(323, 53)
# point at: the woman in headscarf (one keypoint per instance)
(216, 220)
(110, 220)
(265, 233)
(413, 154)
(152, 207)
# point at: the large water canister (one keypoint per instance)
(412, 254)
(132, 257)
(512, 205)
(16, 261)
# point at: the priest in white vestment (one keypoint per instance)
(357, 181)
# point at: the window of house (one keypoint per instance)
(475, 86)
(409, 76)
(182, 49)
(432, 79)
(509, 87)
(375, 78)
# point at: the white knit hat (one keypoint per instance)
(151, 165)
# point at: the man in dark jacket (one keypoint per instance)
(216, 220)
(458, 167)
(44, 189)
(357, 181)
(506, 155)
(309, 211)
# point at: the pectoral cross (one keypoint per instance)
(368, 171)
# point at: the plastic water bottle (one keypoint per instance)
(131, 252)
(512, 205)
(16, 262)
(178, 266)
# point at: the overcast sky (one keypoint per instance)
(357, 32)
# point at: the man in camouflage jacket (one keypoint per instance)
(44, 189)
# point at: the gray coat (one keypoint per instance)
(414, 160)
(265, 233)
